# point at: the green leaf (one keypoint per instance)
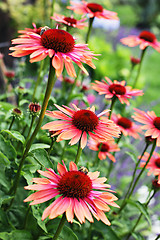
(15, 134)
(38, 216)
(23, 101)
(39, 145)
(67, 233)
(41, 156)
(6, 106)
(133, 156)
(7, 149)
(4, 160)
(4, 199)
(142, 208)
(15, 235)
(137, 236)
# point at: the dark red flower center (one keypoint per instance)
(17, 111)
(157, 162)
(155, 184)
(124, 122)
(85, 120)
(94, 7)
(38, 30)
(117, 89)
(104, 147)
(34, 107)
(156, 122)
(58, 40)
(70, 20)
(75, 184)
(147, 36)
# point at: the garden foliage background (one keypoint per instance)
(17, 219)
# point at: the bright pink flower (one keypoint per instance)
(117, 89)
(34, 29)
(93, 10)
(151, 124)
(153, 165)
(144, 39)
(106, 149)
(70, 21)
(127, 127)
(135, 61)
(76, 124)
(59, 45)
(78, 193)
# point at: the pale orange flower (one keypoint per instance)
(59, 45)
(78, 193)
(76, 124)
(144, 40)
(92, 10)
(106, 149)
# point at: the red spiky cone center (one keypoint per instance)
(117, 89)
(58, 40)
(104, 147)
(156, 122)
(94, 7)
(157, 162)
(34, 107)
(147, 36)
(75, 184)
(124, 122)
(71, 21)
(85, 120)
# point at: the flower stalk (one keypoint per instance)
(60, 227)
(50, 84)
(89, 29)
(79, 151)
(10, 126)
(112, 105)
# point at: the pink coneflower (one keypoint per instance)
(127, 127)
(34, 29)
(144, 39)
(78, 193)
(59, 45)
(153, 165)
(151, 124)
(116, 89)
(92, 9)
(70, 21)
(76, 124)
(9, 74)
(106, 149)
(135, 61)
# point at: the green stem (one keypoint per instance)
(73, 85)
(63, 151)
(157, 237)
(133, 177)
(13, 118)
(79, 151)
(139, 218)
(53, 139)
(89, 29)
(112, 105)
(96, 161)
(50, 84)
(38, 80)
(139, 69)
(31, 125)
(26, 216)
(52, 13)
(60, 226)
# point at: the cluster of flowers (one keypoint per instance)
(79, 192)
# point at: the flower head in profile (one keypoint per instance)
(58, 44)
(70, 21)
(76, 124)
(116, 89)
(153, 164)
(144, 40)
(151, 124)
(106, 149)
(92, 10)
(34, 29)
(135, 61)
(126, 125)
(77, 193)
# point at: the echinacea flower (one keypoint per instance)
(135, 61)
(106, 149)
(92, 9)
(34, 29)
(153, 164)
(76, 124)
(151, 124)
(59, 45)
(127, 127)
(70, 21)
(78, 193)
(144, 39)
(116, 89)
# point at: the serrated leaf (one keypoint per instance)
(15, 134)
(5, 199)
(7, 149)
(142, 209)
(15, 235)
(38, 216)
(4, 160)
(41, 156)
(67, 233)
(39, 145)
